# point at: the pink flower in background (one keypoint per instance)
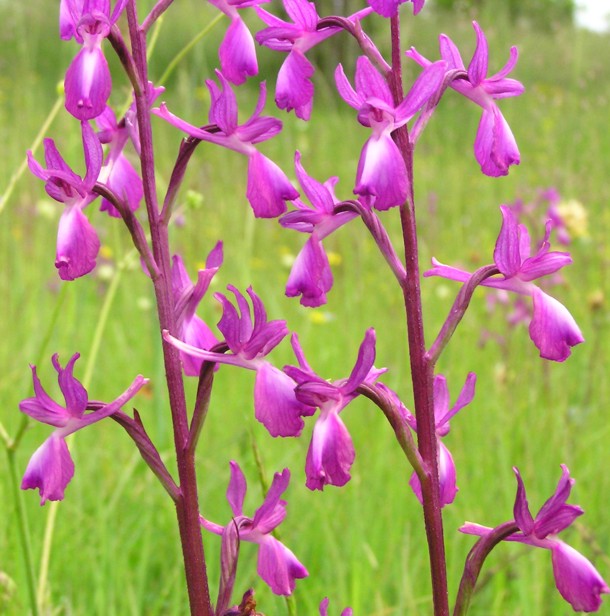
(277, 565)
(51, 468)
(576, 578)
(324, 609)
(495, 147)
(77, 241)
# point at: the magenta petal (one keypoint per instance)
(386, 8)
(275, 403)
(521, 510)
(77, 245)
(196, 333)
(50, 469)
(273, 510)
(237, 53)
(382, 173)
(236, 490)
(42, 407)
(364, 362)
(447, 475)
(577, 579)
(495, 147)
(294, 88)
(507, 254)
(552, 328)
(278, 566)
(268, 187)
(331, 453)
(88, 84)
(310, 276)
(124, 181)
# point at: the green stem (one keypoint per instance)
(24, 532)
(186, 49)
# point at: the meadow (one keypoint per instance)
(114, 550)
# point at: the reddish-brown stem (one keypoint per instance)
(187, 506)
(421, 368)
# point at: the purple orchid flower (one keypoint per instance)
(294, 87)
(552, 328)
(88, 83)
(576, 578)
(442, 415)
(51, 468)
(310, 276)
(277, 565)
(268, 187)
(117, 172)
(236, 52)
(495, 147)
(187, 296)
(331, 451)
(324, 609)
(249, 341)
(77, 241)
(382, 173)
(389, 8)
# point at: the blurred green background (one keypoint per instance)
(115, 548)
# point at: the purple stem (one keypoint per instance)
(458, 309)
(155, 13)
(187, 506)
(421, 368)
(474, 562)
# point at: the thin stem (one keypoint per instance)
(474, 562)
(458, 310)
(421, 369)
(155, 13)
(24, 533)
(187, 505)
(202, 403)
(187, 48)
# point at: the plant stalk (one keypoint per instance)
(187, 505)
(421, 368)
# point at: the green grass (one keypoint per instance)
(115, 548)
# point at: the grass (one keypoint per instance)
(115, 548)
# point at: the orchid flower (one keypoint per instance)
(277, 565)
(382, 173)
(552, 328)
(576, 578)
(249, 341)
(331, 451)
(389, 8)
(310, 276)
(324, 609)
(442, 415)
(117, 172)
(191, 329)
(88, 83)
(236, 52)
(51, 468)
(294, 87)
(268, 187)
(77, 241)
(495, 147)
